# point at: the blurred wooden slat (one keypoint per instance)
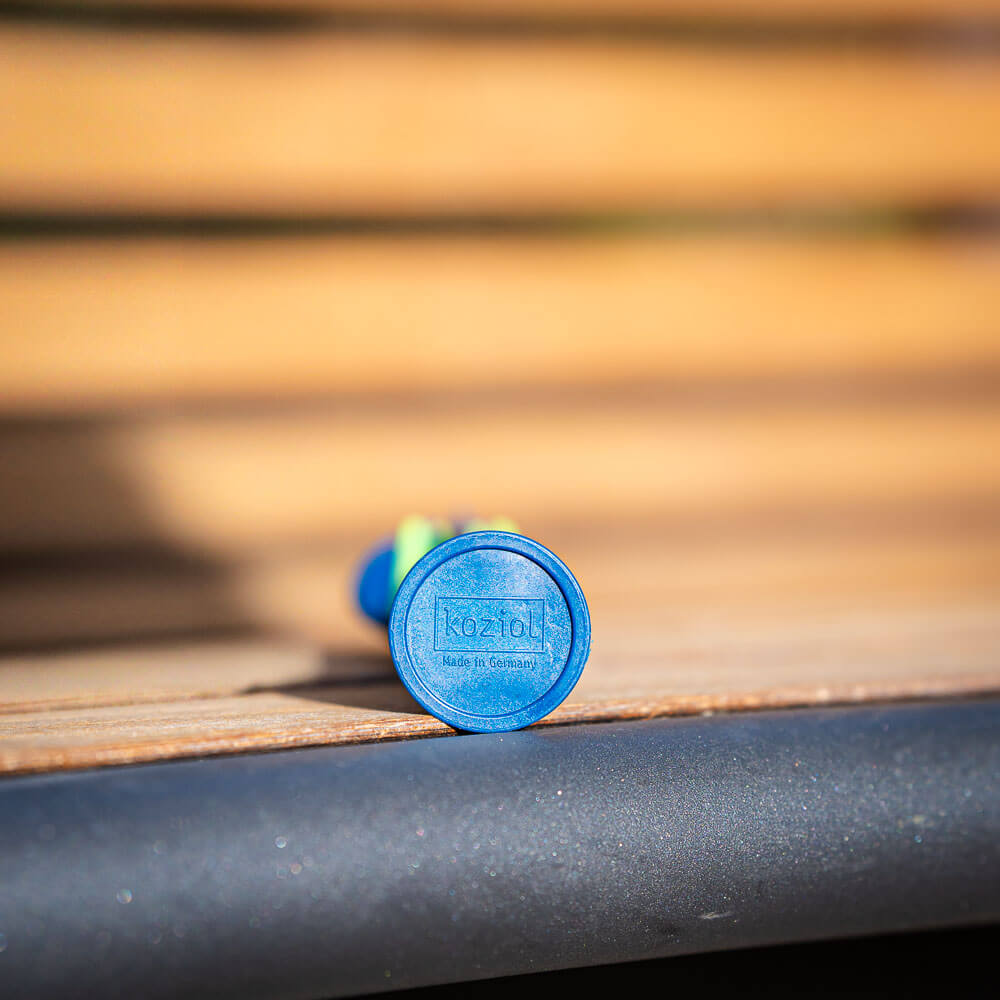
(704, 576)
(680, 626)
(305, 123)
(228, 482)
(753, 10)
(95, 324)
(151, 673)
(924, 652)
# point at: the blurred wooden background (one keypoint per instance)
(706, 296)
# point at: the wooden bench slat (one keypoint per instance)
(740, 575)
(807, 10)
(94, 325)
(924, 652)
(304, 123)
(235, 482)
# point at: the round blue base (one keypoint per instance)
(489, 631)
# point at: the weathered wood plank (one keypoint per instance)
(749, 574)
(233, 481)
(917, 654)
(680, 626)
(808, 10)
(230, 319)
(305, 123)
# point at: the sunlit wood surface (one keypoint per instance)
(708, 304)
(680, 626)
(193, 319)
(317, 122)
(893, 11)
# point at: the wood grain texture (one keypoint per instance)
(235, 482)
(681, 625)
(304, 123)
(192, 320)
(752, 10)
(925, 650)
(683, 622)
(732, 572)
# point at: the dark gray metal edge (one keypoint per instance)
(344, 870)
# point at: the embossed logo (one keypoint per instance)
(503, 624)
